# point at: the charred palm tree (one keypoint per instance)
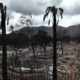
(4, 52)
(54, 11)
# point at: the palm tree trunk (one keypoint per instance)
(4, 53)
(54, 48)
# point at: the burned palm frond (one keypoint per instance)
(61, 12)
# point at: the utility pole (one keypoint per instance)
(4, 52)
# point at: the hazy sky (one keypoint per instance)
(37, 9)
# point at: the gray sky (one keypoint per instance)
(37, 9)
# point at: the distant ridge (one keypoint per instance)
(71, 31)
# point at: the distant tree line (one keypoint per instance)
(41, 38)
(67, 39)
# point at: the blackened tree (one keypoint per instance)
(54, 11)
(4, 54)
(43, 39)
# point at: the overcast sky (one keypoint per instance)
(37, 9)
